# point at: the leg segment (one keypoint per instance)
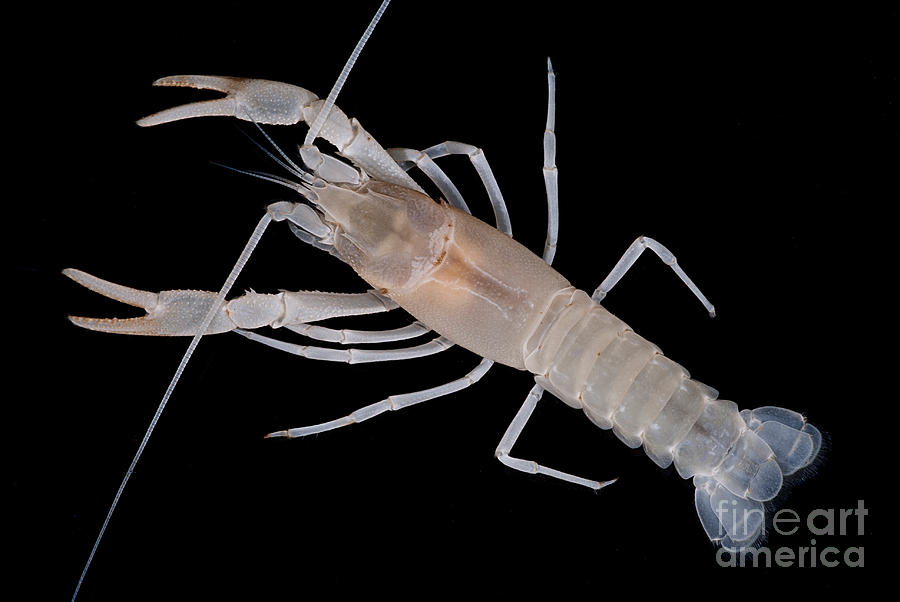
(307, 225)
(424, 160)
(421, 160)
(481, 165)
(631, 255)
(550, 172)
(346, 336)
(512, 434)
(314, 242)
(352, 356)
(394, 402)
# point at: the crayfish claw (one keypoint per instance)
(258, 100)
(169, 313)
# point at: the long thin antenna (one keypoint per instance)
(316, 127)
(213, 310)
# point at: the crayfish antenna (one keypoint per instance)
(316, 127)
(204, 326)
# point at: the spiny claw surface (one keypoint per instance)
(258, 100)
(169, 313)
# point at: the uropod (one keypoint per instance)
(470, 284)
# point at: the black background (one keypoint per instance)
(758, 144)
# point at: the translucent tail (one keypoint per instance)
(776, 444)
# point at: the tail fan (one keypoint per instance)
(730, 502)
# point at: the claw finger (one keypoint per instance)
(131, 296)
(141, 325)
(202, 82)
(223, 107)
